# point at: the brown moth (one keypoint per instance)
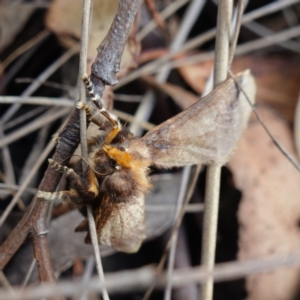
(117, 180)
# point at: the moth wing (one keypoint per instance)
(207, 132)
(121, 225)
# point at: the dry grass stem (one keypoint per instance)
(41, 78)
(139, 279)
(26, 182)
(34, 125)
(86, 15)
(167, 12)
(29, 44)
(213, 173)
(201, 39)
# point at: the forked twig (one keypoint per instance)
(34, 220)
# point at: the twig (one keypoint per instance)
(104, 69)
(201, 39)
(154, 13)
(290, 158)
(47, 101)
(83, 138)
(5, 282)
(167, 12)
(183, 188)
(29, 272)
(237, 26)
(242, 49)
(175, 227)
(34, 220)
(26, 46)
(55, 85)
(261, 30)
(26, 182)
(41, 78)
(16, 187)
(30, 114)
(190, 208)
(213, 173)
(129, 118)
(140, 279)
(87, 276)
(34, 125)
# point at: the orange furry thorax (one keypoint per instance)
(135, 164)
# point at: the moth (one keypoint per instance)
(117, 179)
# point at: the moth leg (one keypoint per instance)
(60, 197)
(94, 115)
(61, 169)
(87, 187)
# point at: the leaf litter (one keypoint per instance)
(269, 208)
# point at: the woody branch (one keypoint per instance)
(104, 71)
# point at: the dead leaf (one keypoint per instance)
(269, 211)
(64, 19)
(277, 79)
(13, 15)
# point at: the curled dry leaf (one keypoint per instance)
(64, 19)
(269, 211)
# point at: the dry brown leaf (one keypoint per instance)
(13, 15)
(182, 97)
(64, 19)
(277, 79)
(269, 211)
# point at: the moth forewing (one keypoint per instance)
(208, 131)
(122, 225)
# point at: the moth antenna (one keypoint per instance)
(104, 174)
